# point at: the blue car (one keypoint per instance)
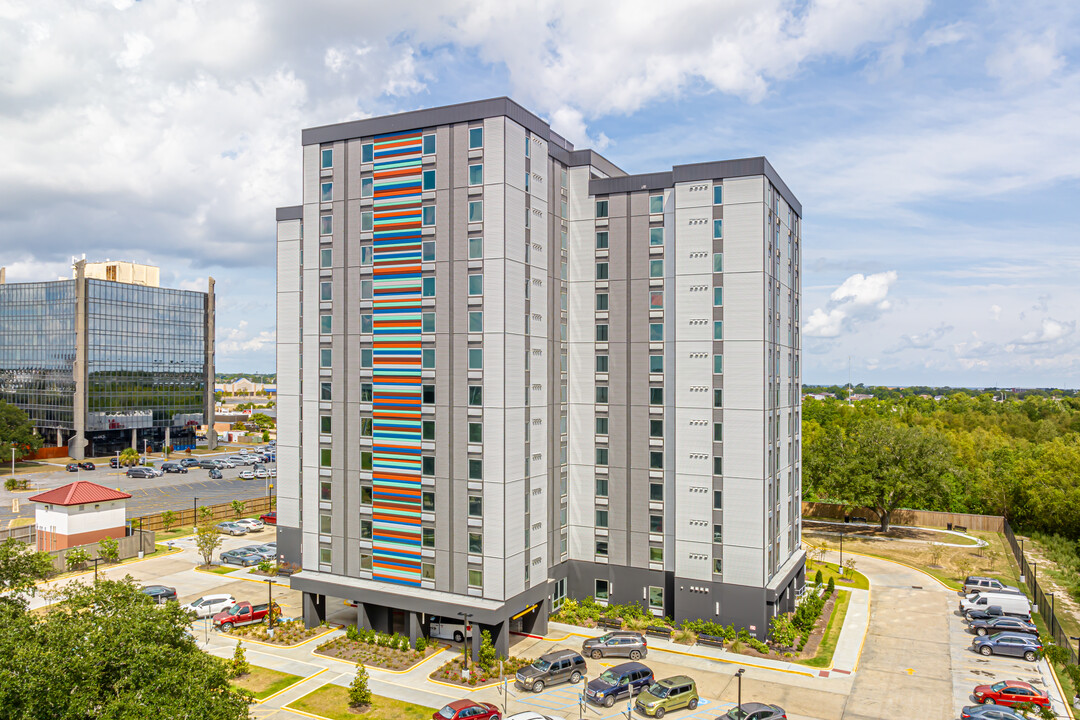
(618, 683)
(1007, 643)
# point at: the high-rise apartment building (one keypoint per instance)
(509, 373)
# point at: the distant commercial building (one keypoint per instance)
(104, 364)
(122, 271)
(243, 386)
(509, 373)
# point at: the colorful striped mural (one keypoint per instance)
(396, 388)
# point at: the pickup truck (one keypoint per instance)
(243, 613)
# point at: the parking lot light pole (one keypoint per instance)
(270, 602)
(1077, 639)
(466, 617)
(739, 675)
(194, 513)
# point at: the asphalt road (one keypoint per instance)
(150, 495)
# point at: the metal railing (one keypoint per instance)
(1044, 601)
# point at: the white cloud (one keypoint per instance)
(862, 289)
(824, 324)
(1050, 331)
(238, 340)
(921, 341)
(1021, 61)
(995, 312)
(857, 299)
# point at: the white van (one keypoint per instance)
(208, 605)
(447, 629)
(1016, 605)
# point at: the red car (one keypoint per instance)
(467, 710)
(1010, 692)
(269, 518)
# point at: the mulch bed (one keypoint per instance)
(373, 655)
(451, 672)
(286, 633)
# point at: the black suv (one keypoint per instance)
(551, 669)
(140, 472)
(619, 683)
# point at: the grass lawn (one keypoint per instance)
(217, 569)
(823, 657)
(832, 570)
(173, 533)
(264, 682)
(332, 701)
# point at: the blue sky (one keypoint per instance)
(935, 146)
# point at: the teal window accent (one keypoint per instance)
(601, 208)
(427, 215)
(601, 271)
(718, 364)
(717, 229)
(476, 358)
(718, 296)
(601, 240)
(428, 180)
(718, 195)
(476, 138)
(365, 357)
(718, 330)
(367, 152)
(367, 221)
(656, 363)
(718, 262)
(326, 357)
(427, 287)
(656, 268)
(656, 332)
(427, 358)
(326, 258)
(476, 248)
(656, 236)
(326, 225)
(326, 324)
(366, 326)
(429, 145)
(476, 321)
(656, 204)
(327, 192)
(476, 211)
(476, 284)
(427, 323)
(367, 187)
(476, 174)
(327, 158)
(324, 457)
(428, 251)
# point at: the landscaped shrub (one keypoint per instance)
(818, 577)
(239, 664)
(359, 692)
(76, 558)
(352, 633)
(808, 612)
(487, 653)
(421, 643)
(831, 587)
(109, 549)
(783, 630)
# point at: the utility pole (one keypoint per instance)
(739, 675)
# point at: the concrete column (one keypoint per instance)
(363, 618)
(412, 620)
(77, 443)
(134, 439)
(166, 439)
(475, 640)
(208, 415)
(500, 638)
(314, 609)
(59, 437)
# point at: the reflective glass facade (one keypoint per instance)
(37, 350)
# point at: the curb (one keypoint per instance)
(279, 645)
(290, 687)
(409, 669)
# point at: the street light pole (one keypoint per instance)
(1077, 639)
(194, 512)
(739, 675)
(468, 633)
(270, 601)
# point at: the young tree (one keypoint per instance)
(21, 568)
(205, 514)
(782, 630)
(238, 507)
(76, 558)
(207, 541)
(359, 692)
(239, 665)
(109, 549)
(129, 456)
(168, 519)
(936, 552)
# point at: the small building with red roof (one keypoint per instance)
(79, 513)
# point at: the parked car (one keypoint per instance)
(987, 613)
(174, 467)
(273, 472)
(225, 464)
(243, 451)
(160, 593)
(215, 474)
(243, 613)
(976, 583)
(1010, 692)
(1008, 643)
(445, 628)
(231, 528)
(114, 463)
(1003, 624)
(140, 472)
(208, 464)
(240, 556)
(467, 710)
(190, 462)
(618, 683)
(72, 467)
(989, 712)
(551, 669)
(616, 644)
(87, 465)
(670, 693)
(269, 518)
(208, 605)
(264, 552)
(251, 524)
(1016, 605)
(262, 473)
(754, 711)
(247, 475)
(271, 545)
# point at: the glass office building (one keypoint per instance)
(110, 363)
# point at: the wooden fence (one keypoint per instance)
(25, 533)
(187, 516)
(922, 518)
(127, 547)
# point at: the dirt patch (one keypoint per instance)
(895, 532)
(1065, 606)
(375, 655)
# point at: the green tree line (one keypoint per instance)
(965, 453)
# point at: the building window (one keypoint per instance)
(656, 492)
(601, 333)
(656, 460)
(476, 174)
(476, 248)
(476, 543)
(476, 138)
(327, 158)
(325, 556)
(325, 490)
(365, 459)
(324, 391)
(718, 330)
(601, 518)
(367, 152)
(601, 426)
(476, 321)
(429, 144)
(427, 571)
(656, 363)
(476, 506)
(562, 178)
(476, 358)
(326, 225)
(718, 262)
(656, 268)
(326, 357)
(718, 397)
(601, 240)
(476, 395)
(718, 297)
(365, 494)
(656, 523)
(367, 221)
(366, 323)
(718, 533)
(476, 469)
(327, 194)
(366, 357)
(601, 271)
(366, 254)
(602, 586)
(428, 287)
(527, 179)
(601, 301)
(427, 537)
(718, 465)
(427, 394)
(367, 187)
(367, 289)
(656, 597)
(601, 394)
(656, 396)
(427, 323)
(326, 291)
(427, 215)
(428, 251)
(656, 300)
(427, 501)
(602, 456)
(427, 429)
(718, 432)
(326, 258)
(476, 284)
(324, 457)
(656, 236)
(365, 561)
(718, 566)
(656, 428)
(656, 332)
(366, 427)
(427, 358)
(476, 578)
(476, 432)
(718, 500)
(718, 364)
(602, 363)
(476, 211)
(718, 194)
(601, 208)
(656, 204)
(601, 487)
(427, 465)
(656, 554)
(325, 424)
(326, 324)
(365, 529)
(717, 229)
(428, 180)
(602, 548)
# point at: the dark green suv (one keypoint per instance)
(668, 694)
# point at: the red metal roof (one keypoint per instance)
(80, 492)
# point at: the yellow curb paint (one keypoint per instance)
(1061, 690)
(465, 688)
(385, 670)
(129, 561)
(866, 631)
(290, 687)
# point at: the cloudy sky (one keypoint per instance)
(935, 146)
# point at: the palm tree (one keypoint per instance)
(129, 456)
